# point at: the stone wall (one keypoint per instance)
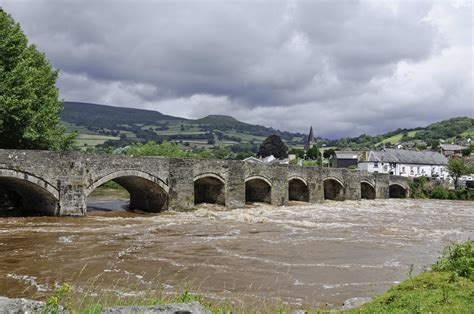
(61, 182)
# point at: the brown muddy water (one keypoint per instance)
(304, 255)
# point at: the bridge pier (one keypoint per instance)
(181, 184)
(235, 187)
(72, 197)
(351, 185)
(279, 186)
(315, 186)
(382, 184)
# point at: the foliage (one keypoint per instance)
(328, 153)
(446, 289)
(466, 194)
(111, 185)
(313, 153)
(421, 146)
(29, 102)
(166, 149)
(310, 163)
(60, 298)
(440, 192)
(273, 145)
(419, 187)
(298, 152)
(429, 292)
(457, 258)
(468, 151)
(457, 168)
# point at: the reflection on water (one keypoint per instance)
(307, 255)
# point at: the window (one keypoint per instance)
(403, 169)
(376, 164)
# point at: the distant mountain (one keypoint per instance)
(98, 123)
(118, 126)
(87, 114)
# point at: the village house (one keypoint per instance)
(407, 163)
(344, 159)
(449, 150)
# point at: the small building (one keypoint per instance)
(407, 163)
(449, 150)
(344, 159)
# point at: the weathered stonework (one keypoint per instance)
(59, 183)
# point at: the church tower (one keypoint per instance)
(311, 140)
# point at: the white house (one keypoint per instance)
(407, 163)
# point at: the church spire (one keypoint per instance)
(311, 140)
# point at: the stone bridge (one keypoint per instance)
(59, 183)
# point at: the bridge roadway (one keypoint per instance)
(55, 183)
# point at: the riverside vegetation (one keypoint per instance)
(445, 287)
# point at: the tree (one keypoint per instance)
(457, 168)
(298, 152)
(313, 153)
(468, 151)
(29, 102)
(434, 144)
(273, 145)
(328, 153)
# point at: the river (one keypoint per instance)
(305, 255)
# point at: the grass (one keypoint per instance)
(396, 138)
(468, 133)
(447, 288)
(92, 139)
(429, 292)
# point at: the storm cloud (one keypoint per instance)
(345, 67)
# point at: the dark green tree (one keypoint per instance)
(273, 145)
(313, 153)
(29, 102)
(328, 152)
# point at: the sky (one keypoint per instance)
(344, 67)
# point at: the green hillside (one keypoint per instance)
(99, 125)
(454, 130)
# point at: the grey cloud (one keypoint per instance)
(348, 66)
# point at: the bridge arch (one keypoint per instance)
(367, 190)
(298, 189)
(28, 193)
(258, 189)
(333, 189)
(147, 192)
(209, 188)
(397, 190)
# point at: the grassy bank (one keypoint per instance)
(448, 287)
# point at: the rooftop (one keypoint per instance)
(346, 155)
(408, 157)
(451, 147)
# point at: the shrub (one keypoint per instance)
(457, 258)
(440, 192)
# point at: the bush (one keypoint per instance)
(440, 192)
(420, 188)
(457, 258)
